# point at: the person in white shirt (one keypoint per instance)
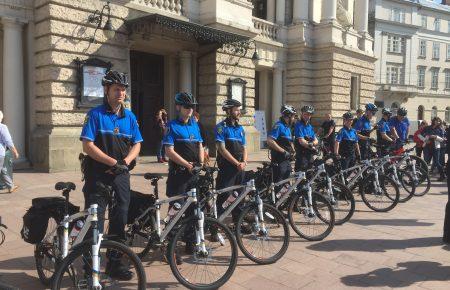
(6, 143)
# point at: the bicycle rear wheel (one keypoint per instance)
(315, 224)
(423, 183)
(75, 271)
(262, 245)
(138, 236)
(382, 201)
(197, 270)
(343, 203)
(46, 253)
(407, 186)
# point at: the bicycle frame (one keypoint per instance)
(362, 168)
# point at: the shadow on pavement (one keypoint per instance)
(390, 222)
(375, 245)
(17, 280)
(163, 285)
(22, 263)
(404, 275)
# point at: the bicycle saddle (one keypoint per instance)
(152, 176)
(65, 186)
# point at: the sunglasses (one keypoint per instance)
(187, 107)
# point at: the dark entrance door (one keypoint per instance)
(147, 92)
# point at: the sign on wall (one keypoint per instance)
(236, 91)
(260, 125)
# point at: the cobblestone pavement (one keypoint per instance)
(399, 249)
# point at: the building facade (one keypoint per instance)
(412, 44)
(264, 52)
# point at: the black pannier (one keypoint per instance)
(35, 220)
(139, 203)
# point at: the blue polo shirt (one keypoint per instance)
(114, 134)
(282, 134)
(185, 138)
(347, 138)
(363, 126)
(400, 126)
(304, 131)
(233, 136)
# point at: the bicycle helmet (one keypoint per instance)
(386, 111)
(230, 103)
(288, 110)
(114, 77)
(402, 111)
(371, 107)
(185, 99)
(308, 109)
(347, 116)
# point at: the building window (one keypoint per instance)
(421, 77)
(395, 44)
(424, 21)
(394, 74)
(448, 26)
(354, 93)
(447, 79)
(434, 78)
(448, 51)
(436, 50)
(423, 48)
(447, 115)
(434, 112)
(437, 24)
(398, 15)
(420, 113)
(259, 9)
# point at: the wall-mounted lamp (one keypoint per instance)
(97, 18)
(255, 57)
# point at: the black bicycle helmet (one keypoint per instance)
(347, 115)
(402, 111)
(185, 99)
(114, 77)
(308, 109)
(386, 111)
(371, 107)
(288, 110)
(230, 103)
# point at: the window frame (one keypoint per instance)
(447, 79)
(424, 21)
(437, 25)
(422, 46)
(421, 72)
(435, 85)
(436, 47)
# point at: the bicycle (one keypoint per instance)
(84, 257)
(262, 232)
(211, 249)
(2, 234)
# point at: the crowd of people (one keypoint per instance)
(112, 141)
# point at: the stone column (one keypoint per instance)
(281, 10)
(185, 72)
(271, 10)
(361, 16)
(329, 8)
(13, 82)
(277, 98)
(301, 11)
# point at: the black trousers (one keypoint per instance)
(226, 177)
(303, 160)
(419, 151)
(282, 170)
(347, 161)
(446, 237)
(364, 148)
(118, 214)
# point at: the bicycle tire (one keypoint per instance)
(407, 185)
(210, 225)
(420, 162)
(423, 185)
(105, 244)
(366, 185)
(315, 198)
(341, 193)
(138, 238)
(271, 213)
(43, 250)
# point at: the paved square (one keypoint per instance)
(399, 249)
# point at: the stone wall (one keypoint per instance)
(61, 36)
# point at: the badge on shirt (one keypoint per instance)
(116, 130)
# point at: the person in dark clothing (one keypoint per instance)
(161, 123)
(435, 133)
(346, 147)
(446, 237)
(384, 134)
(364, 127)
(328, 132)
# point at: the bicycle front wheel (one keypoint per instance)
(423, 182)
(262, 242)
(383, 200)
(343, 201)
(407, 185)
(75, 271)
(311, 222)
(195, 268)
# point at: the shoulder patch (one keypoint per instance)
(86, 120)
(276, 126)
(219, 129)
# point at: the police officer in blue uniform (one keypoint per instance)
(183, 145)
(346, 145)
(305, 140)
(112, 141)
(232, 154)
(280, 142)
(384, 135)
(399, 126)
(363, 127)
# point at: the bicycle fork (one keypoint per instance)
(330, 191)
(97, 239)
